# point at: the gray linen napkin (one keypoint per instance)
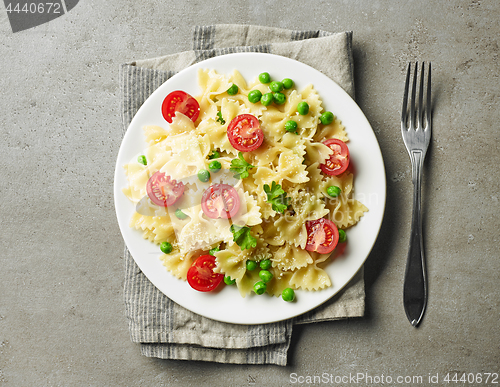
(163, 328)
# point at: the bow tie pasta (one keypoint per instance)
(251, 177)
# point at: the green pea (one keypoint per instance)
(303, 108)
(265, 264)
(214, 155)
(264, 78)
(142, 160)
(260, 287)
(214, 250)
(203, 175)
(251, 265)
(276, 86)
(254, 96)
(228, 280)
(215, 166)
(342, 236)
(166, 247)
(267, 99)
(327, 118)
(291, 126)
(287, 83)
(333, 191)
(279, 98)
(179, 214)
(233, 90)
(265, 275)
(288, 295)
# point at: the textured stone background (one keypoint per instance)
(62, 317)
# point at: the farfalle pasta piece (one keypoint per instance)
(289, 168)
(231, 262)
(333, 130)
(137, 176)
(275, 116)
(268, 153)
(154, 134)
(198, 233)
(316, 152)
(344, 210)
(310, 277)
(292, 226)
(279, 282)
(157, 229)
(216, 130)
(180, 124)
(187, 157)
(289, 258)
(245, 284)
(143, 222)
(306, 205)
(249, 212)
(317, 186)
(345, 213)
(344, 181)
(270, 233)
(212, 84)
(178, 263)
(307, 124)
(319, 258)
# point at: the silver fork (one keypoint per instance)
(416, 131)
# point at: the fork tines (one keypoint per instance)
(412, 121)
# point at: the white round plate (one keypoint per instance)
(369, 185)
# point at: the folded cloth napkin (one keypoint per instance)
(163, 328)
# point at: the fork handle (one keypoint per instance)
(415, 281)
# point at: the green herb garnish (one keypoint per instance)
(214, 250)
(220, 119)
(277, 197)
(240, 167)
(242, 237)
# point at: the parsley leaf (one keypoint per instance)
(277, 197)
(242, 237)
(220, 119)
(214, 250)
(240, 167)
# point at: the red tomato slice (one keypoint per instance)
(182, 102)
(220, 201)
(339, 160)
(322, 236)
(244, 133)
(201, 274)
(163, 190)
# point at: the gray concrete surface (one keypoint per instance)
(62, 319)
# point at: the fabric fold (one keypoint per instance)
(165, 329)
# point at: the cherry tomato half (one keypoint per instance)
(322, 236)
(220, 201)
(163, 190)
(244, 133)
(182, 102)
(201, 274)
(339, 160)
